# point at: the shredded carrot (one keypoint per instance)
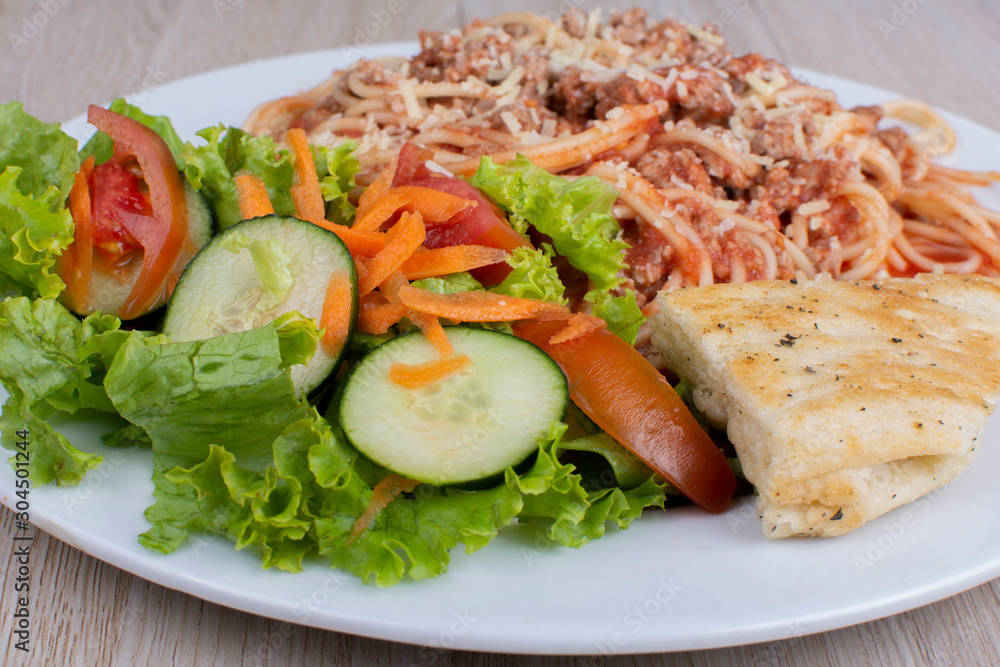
(336, 315)
(376, 319)
(476, 306)
(378, 188)
(452, 259)
(414, 376)
(384, 492)
(434, 205)
(379, 212)
(79, 257)
(251, 194)
(578, 324)
(400, 243)
(305, 191)
(360, 244)
(429, 325)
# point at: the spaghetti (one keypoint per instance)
(727, 168)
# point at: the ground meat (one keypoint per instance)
(575, 93)
(445, 57)
(787, 188)
(703, 97)
(649, 260)
(776, 137)
(664, 167)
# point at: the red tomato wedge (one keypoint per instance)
(483, 224)
(628, 398)
(161, 231)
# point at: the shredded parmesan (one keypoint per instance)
(814, 207)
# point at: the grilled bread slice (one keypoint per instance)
(843, 400)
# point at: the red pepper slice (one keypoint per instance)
(628, 398)
(162, 234)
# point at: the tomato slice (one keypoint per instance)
(483, 224)
(76, 264)
(628, 398)
(163, 232)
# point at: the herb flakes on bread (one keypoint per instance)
(843, 400)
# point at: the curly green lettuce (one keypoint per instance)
(38, 163)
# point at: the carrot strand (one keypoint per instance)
(336, 314)
(251, 195)
(414, 376)
(384, 492)
(306, 193)
(400, 243)
(476, 306)
(451, 259)
(578, 324)
(376, 319)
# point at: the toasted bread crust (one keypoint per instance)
(843, 400)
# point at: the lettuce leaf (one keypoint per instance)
(210, 169)
(336, 168)
(575, 214)
(35, 230)
(53, 362)
(45, 154)
(38, 164)
(622, 313)
(101, 146)
(533, 276)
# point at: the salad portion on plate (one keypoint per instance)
(290, 372)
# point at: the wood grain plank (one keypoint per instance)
(85, 612)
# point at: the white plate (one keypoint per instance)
(675, 580)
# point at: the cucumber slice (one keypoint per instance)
(467, 428)
(255, 271)
(108, 290)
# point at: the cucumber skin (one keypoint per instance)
(170, 323)
(336, 415)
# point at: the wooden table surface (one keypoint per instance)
(60, 55)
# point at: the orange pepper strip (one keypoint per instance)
(77, 263)
(414, 376)
(578, 324)
(400, 243)
(450, 259)
(336, 315)
(476, 306)
(251, 193)
(305, 191)
(384, 492)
